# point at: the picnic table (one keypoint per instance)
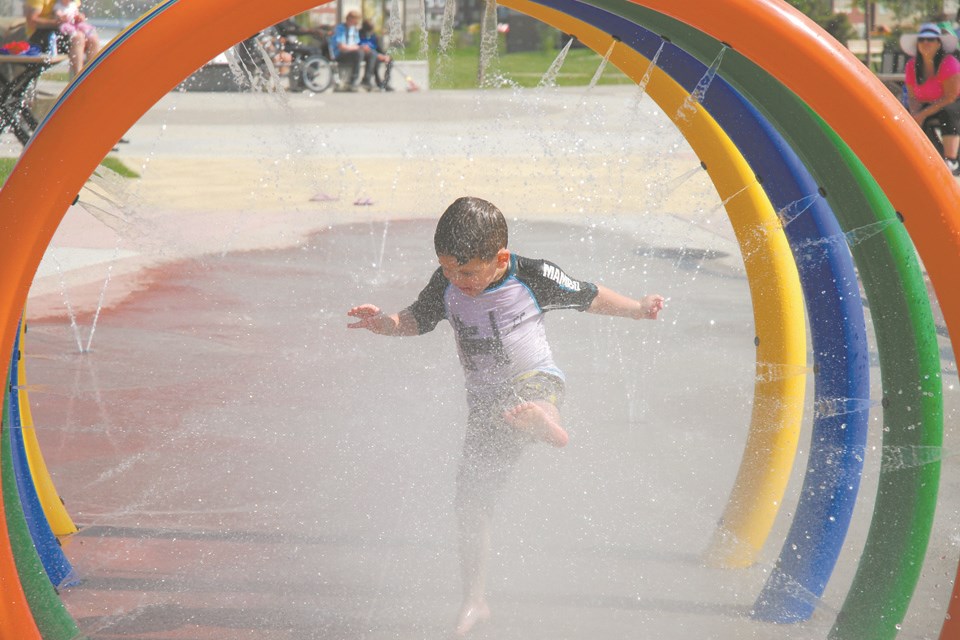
(18, 75)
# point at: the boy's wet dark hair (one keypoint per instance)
(470, 228)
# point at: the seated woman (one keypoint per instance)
(932, 78)
(44, 26)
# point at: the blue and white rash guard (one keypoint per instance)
(500, 333)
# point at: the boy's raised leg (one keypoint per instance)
(540, 419)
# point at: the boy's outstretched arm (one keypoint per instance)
(610, 303)
(373, 319)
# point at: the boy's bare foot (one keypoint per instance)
(538, 422)
(470, 615)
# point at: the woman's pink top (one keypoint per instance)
(932, 88)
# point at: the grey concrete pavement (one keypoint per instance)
(244, 467)
(264, 168)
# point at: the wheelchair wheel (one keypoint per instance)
(316, 73)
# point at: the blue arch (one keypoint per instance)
(55, 563)
(834, 307)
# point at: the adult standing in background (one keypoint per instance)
(932, 78)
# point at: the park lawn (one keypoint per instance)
(113, 164)
(6, 166)
(458, 69)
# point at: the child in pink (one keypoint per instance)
(67, 13)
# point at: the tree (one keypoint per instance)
(902, 10)
(821, 12)
(813, 7)
(905, 9)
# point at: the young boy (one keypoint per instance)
(495, 301)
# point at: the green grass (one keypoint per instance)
(457, 69)
(56, 74)
(113, 164)
(526, 69)
(117, 166)
(6, 166)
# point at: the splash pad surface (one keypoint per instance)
(257, 488)
(223, 479)
(909, 219)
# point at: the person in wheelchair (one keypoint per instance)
(306, 67)
(43, 29)
(290, 37)
(290, 31)
(932, 79)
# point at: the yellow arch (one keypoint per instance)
(774, 288)
(60, 522)
(846, 94)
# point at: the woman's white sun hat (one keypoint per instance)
(908, 41)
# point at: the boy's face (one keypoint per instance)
(474, 276)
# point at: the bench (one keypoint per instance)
(892, 81)
(859, 49)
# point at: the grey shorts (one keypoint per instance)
(491, 447)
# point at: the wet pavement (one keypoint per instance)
(242, 466)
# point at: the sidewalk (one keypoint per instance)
(238, 171)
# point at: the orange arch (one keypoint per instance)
(108, 100)
(62, 156)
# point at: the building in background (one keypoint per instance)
(884, 14)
